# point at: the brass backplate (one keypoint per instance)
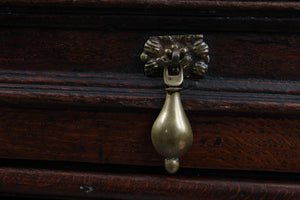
(194, 57)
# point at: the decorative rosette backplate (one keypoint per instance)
(194, 57)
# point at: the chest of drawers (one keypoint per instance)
(76, 109)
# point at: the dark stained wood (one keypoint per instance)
(252, 55)
(19, 197)
(84, 50)
(140, 186)
(180, 16)
(92, 81)
(123, 136)
(32, 89)
(191, 21)
(268, 4)
(72, 92)
(243, 55)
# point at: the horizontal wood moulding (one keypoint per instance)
(32, 89)
(237, 55)
(122, 136)
(71, 184)
(187, 21)
(227, 4)
(90, 81)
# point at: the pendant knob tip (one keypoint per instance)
(172, 165)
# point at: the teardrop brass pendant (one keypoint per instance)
(171, 132)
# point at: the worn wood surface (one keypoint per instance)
(140, 186)
(84, 90)
(90, 80)
(122, 136)
(240, 55)
(192, 21)
(174, 16)
(107, 118)
(227, 4)
(72, 89)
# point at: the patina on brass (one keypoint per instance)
(170, 56)
(193, 54)
(171, 132)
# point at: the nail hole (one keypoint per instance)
(87, 189)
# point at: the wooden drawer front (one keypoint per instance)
(238, 54)
(72, 86)
(123, 137)
(76, 108)
(64, 184)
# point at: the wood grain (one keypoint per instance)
(243, 55)
(254, 55)
(89, 81)
(228, 4)
(72, 91)
(155, 15)
(140, 186)
(89, 90)
(190, 21)
(123, 136)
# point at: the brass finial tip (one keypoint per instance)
(172, 165)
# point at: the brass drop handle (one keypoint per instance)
(171, 132)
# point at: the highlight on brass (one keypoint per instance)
(174, 57)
